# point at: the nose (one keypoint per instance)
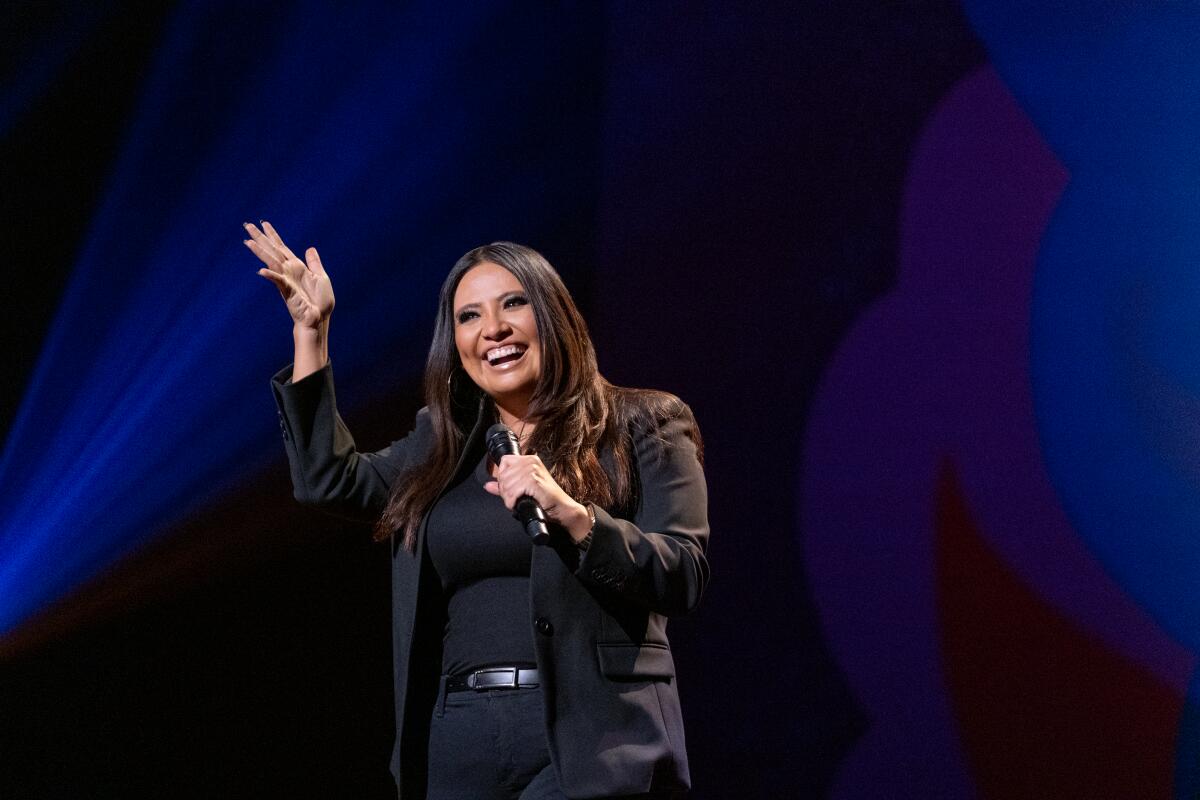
(495, 328)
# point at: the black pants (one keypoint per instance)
(491, 746)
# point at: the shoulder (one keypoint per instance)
(649, 409)
(422, 431)
(657, 420)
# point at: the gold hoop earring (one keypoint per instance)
(455, 388)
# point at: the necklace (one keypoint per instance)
(520, 431)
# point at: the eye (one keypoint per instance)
(466, 316)
(516, 300)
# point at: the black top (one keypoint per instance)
(482, 558)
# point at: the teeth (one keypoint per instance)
(501, 352)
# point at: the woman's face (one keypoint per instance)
(497, 336)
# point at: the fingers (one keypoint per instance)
(262, 249)
(268, 259)
(275, 278)
(270, 249)
(509, 481)
(272, 234)
(510, 499)
(297, 282)
(518, 476)
(276, 240)
(258, 236)
(283, 283)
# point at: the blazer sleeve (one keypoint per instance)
(657, 560)
(326, 468)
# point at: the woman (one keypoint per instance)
(520, 670)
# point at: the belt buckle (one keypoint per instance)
(494, 679)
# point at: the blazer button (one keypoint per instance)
(543, 626)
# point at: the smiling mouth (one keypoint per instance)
(500, 356)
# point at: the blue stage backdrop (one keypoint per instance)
(380, 134)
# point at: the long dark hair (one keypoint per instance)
(579, 414)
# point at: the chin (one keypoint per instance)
(500, 392)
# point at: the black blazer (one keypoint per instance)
(613, 722)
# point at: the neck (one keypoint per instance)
(515, 419)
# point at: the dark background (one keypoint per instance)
(736, 176)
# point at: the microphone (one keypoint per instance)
(501, 441)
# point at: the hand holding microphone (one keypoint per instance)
(501, 442)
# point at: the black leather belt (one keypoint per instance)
(484, 680)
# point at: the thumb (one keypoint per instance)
(493, 487)
(314, 260)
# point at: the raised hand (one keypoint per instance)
(304, 285)
(306, 291)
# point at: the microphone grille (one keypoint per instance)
(501, 441)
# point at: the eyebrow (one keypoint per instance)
(501, 296)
